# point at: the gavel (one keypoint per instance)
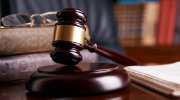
(69, 39)
(81, 79)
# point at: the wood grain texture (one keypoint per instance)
(133, 92)
(155, 54)
(80, 80)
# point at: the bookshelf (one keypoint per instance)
(142, 26)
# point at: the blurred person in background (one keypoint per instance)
(101, 21)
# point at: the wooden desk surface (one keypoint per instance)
(155, 54)
(133, 92)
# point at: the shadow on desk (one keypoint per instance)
(133, 92)
(18, 92)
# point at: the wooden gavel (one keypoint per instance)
(69, 39)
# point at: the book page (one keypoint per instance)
(168, 72)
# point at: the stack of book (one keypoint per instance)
(23, 50)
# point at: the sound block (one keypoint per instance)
(79, 80)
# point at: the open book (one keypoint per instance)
(162, 78)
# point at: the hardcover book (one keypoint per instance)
(172, 22)
(19, 67)
(27, 39)
(166, 24)
(177, 26)
(163, 22)
(151, 10)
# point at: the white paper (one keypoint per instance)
(168, 72)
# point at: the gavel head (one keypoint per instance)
(68, 37)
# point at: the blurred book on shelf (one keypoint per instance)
(129, 18)
(148, 22)
(150, 15)
(166, 22)
(177, 26)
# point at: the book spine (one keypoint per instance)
(172, 20)
(162, 30)
(19, 67)
(149, 24)
(177, 26)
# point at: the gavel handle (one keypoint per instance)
(121, 59)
